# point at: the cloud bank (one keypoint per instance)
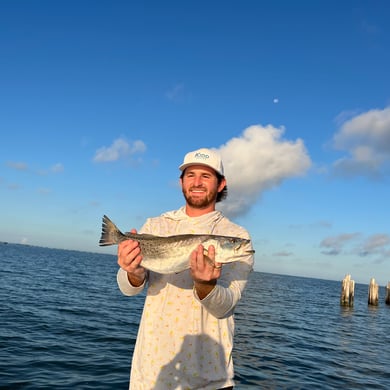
(366, 139)
(356, 244)
(256, 161)
(119, 149)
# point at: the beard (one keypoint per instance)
(200, 202)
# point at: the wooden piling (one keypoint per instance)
(347, 291)
(388, 294)
(373, 293)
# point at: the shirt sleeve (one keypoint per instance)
(222, 300)
(125, 286)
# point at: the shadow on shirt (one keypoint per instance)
(200, 362)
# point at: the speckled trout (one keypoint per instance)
(171, 254)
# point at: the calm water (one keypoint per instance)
(64, 324)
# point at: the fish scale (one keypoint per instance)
(171, 254)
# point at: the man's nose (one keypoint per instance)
(197, 180)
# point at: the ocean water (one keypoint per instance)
(65, 325)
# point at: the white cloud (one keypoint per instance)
(366, 139)
(258, 160)
(175, 93)
(334, 245)
(44, 191)
(376, 243)
(119, 149)
(57, 168)
(14, 186)
(19, 166)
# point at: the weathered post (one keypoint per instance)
(347, 291)
(388, 294)
(373, 293)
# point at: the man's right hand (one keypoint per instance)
(129, 259)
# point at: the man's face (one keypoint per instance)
(200, 186)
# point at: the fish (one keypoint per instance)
(171, 254)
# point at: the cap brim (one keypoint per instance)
(182, 167)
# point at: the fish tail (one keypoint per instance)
(111, 235)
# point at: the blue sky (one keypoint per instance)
(100, 100)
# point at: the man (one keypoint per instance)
(185, 337)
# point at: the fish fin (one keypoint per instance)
(111, 235)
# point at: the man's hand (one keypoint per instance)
(204, 270)
(129, 259)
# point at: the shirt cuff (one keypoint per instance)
(124, 284)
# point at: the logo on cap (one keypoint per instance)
(202, 156)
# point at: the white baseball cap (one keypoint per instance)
(205, 157)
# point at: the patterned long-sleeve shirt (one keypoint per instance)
(184, 342)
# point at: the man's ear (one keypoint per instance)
(222, 185)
